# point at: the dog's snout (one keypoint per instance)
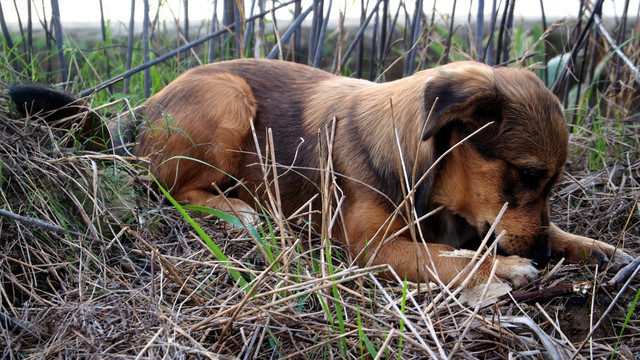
(541, 258)
(541, 252)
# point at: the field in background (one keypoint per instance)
(97, 262)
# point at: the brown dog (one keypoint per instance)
(197, 132)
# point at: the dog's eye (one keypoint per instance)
(528, 178)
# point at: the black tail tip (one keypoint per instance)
(35, 98)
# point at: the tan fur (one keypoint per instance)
(205, 114)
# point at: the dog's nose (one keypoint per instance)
(541, 253)
(541, 257)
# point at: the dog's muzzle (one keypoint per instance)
(541, 253)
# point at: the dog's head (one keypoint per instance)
(516, 159)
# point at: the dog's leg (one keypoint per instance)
(411, 260)
(576, 249)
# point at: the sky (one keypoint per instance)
(88, 11)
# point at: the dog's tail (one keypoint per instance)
(53, 105)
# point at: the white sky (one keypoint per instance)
(88, 11)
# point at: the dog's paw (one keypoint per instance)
(245, 213)
(235, 207)
(598, 253)
(604, 255)
(580, 249)
(516, 270)
(621, 259)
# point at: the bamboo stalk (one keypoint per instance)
(55, 10)
(569, 65)
(373, 55)
(450, 35)
(7, 38)
(500, 41)
(287, 35)
(249, 32)
(488, 51)
(363, 13)
(25, 45)
(186, 20)
(317, 61)
(173, 53)
(297, 36)
(508, 30)
(545, 71)
(145, 49)
(480, 30)
(213, 29)
(358, 37)
(129, 59)
(29, 32)
(105, 48)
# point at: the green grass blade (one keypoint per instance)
(237, 277)
(338, 306)
(364, 339)
(403, 306)
(626, 321)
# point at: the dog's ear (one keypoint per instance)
(463, 92)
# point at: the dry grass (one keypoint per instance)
(94, 264)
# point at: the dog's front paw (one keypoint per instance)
(621, 259)
(246, 215)
(516, 270)
(603, 254)
(237, 208)
(594, 252)
(580, 249)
